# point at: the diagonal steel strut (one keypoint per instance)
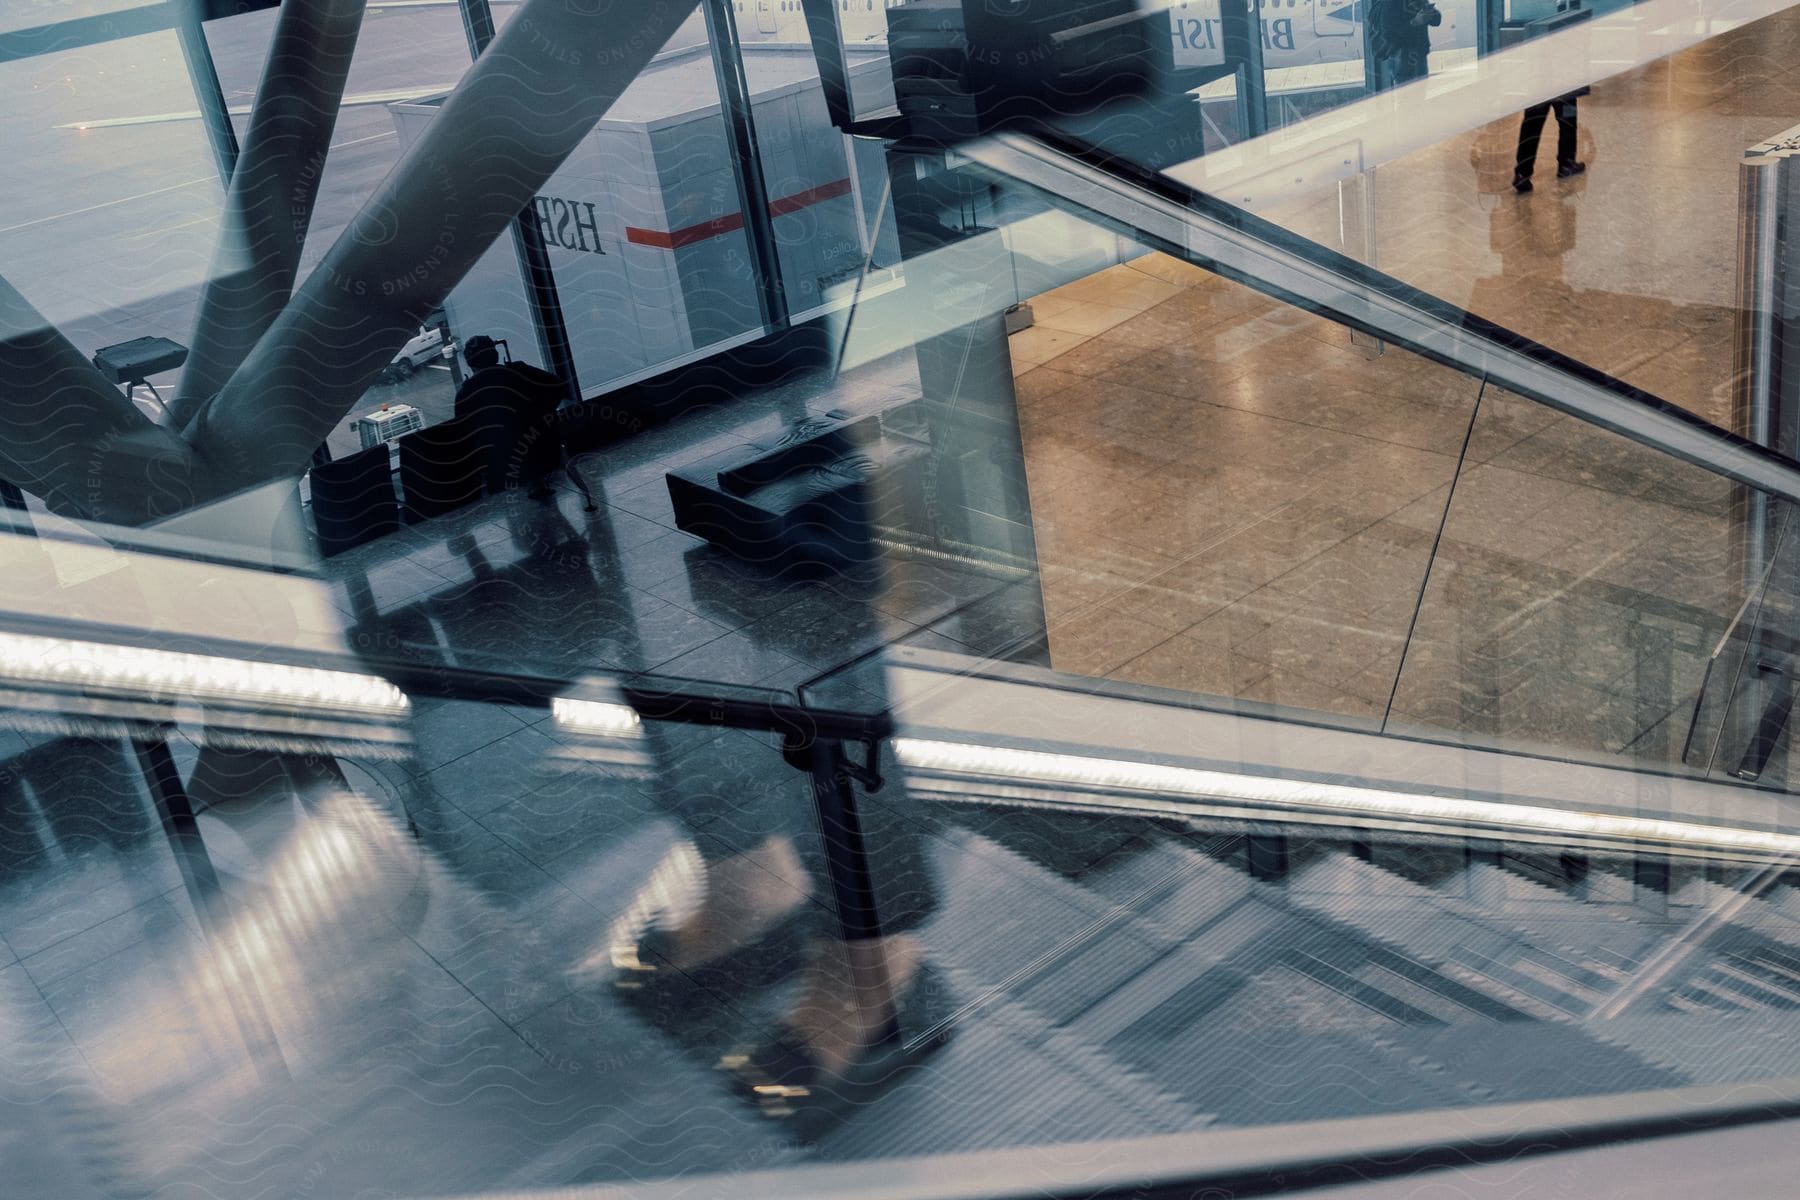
(517, 114)
(69, 436)
(273, 188)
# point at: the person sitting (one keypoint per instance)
(513, 405)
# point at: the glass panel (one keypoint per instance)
(1066, 693)
(1223, 928)
(1661, 146)
(652, 262)
(1740, 723)
(407, 58)
(1220, 486)
(109, 253)
(862, 32)
(19, 15)
(1579, 585)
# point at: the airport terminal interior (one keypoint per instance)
(927, 598)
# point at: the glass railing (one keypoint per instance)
(1738, 727)
(306, 920)
(1266, 476)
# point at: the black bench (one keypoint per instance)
(811, 497)
(353, 500)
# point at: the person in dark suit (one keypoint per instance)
(513, 404)
(1531, 131)
(1400, 40)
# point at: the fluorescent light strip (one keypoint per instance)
(594, 716)
(1120, 775)
(137, 669)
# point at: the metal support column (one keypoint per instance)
(1488, 14)
(208, 95)
(977, 494)
(201, 881)
(1765, 410)
(828, 50)
(528, 243)
(1240, 27)
(746, 160)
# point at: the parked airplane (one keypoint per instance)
(1296, 33)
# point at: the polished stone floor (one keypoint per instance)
(1272, 489)
(1235, 498)
(1253, 513)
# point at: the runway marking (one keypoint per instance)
(243, 110)
(109, 203)
(173, 187)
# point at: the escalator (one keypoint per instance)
(1237, 796)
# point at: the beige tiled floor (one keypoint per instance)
(1233, 498)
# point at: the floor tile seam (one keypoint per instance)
(68, 1035)
(1671, 610)
(1212, 322)
(510, 843)
(1625, 747)
(132, 944)
(797, 596)
(1111, 598)
(506, 1024)
(1366, 528)
(475, 749)
(1286, 420)
(485, 745)
(1613, 594)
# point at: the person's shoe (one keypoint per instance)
(783, 1079)
(1564, 170)
(1521, 184)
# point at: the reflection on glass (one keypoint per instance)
(1120, 671)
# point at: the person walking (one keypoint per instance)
(1531, 131)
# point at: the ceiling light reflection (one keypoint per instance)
(595, 716)
(62, 662)
(1352, 802)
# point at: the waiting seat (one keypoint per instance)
(811, 497)
(353, 500)
(442, 468)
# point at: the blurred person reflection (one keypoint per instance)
(1400, 41)
(739, 909)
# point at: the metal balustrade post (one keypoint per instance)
(746, 160)
(848, 872)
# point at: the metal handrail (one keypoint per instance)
(1276, 1159)
(1167, 215)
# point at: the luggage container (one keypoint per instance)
(644, 228)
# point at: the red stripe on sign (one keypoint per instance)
(799, 200)
(687, 235)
